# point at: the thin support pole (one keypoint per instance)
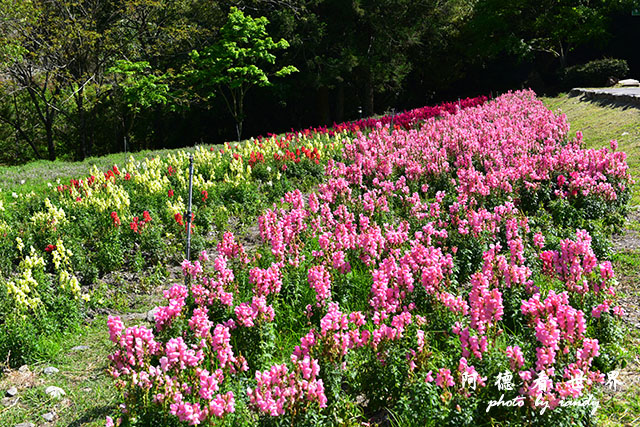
(189, 213)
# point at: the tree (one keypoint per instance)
(137, 88)
(369, 44)
(556, 27)
(237, 62)
(31, 66)
(56, 51)
(560, 26)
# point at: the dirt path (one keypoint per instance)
(627, 267)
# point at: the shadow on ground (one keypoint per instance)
(610, 101)
(94, 414)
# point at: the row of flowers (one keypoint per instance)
(105, 221)
(417, 272)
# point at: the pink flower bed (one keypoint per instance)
(417, 255)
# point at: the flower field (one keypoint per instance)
(427, 264)
(452, 269)
(131, 218)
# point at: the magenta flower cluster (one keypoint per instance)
(377, 216)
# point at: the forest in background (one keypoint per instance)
(82, 78)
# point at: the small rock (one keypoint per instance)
(80, 348)
(49, 370)
(87, 389)
(25, 425)
(151, 315)
(23, 368)
(54, 391)
(12, 392)
(629, 82)
(49, 416)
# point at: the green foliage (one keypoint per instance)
(31, 335)
(525, 28)
(84, 77)
(109, 253)
(236, 62)
(595, 73)
(140, 88)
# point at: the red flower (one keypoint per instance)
(205, 195)
(178, 218)
(114, 217)
(146, 217)
(127, 177)
(115, 170)
(134, 224)
(50, 248)
(170, 193)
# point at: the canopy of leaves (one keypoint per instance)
(139, 87)
(237, 61)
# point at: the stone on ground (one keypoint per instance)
(49, 370)
(629, 82)
(54, 391)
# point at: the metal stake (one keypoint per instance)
(189, 214)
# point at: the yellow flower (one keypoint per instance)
(19, 244)
(51, 217)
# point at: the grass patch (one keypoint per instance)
(90, 396)
(34, 176)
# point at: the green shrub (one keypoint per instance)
(595, 73)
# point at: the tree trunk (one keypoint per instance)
(51, 147)
(340, 104)
(238, 129)
(82, 128)
(18, 127)
(238, 105)
(563, 56)
(46, 115)
(368, 94)
(125, 131)
(323, 105)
